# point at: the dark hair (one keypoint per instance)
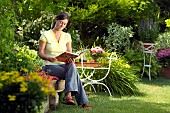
(60, 16)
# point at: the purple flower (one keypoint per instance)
(164, 57)
(163, 53)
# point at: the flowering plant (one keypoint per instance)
(23, 94)
(163, 56)
(97, 52)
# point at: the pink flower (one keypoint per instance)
(163, 53)
(100, 50)
(97, 50)
(93, 50)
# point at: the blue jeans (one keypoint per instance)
(73, 84)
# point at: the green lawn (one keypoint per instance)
(155, 99)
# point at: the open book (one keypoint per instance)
(67, 55)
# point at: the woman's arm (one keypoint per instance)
(41, 54)
(69, 46)
(69, 49)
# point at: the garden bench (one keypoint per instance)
(59, 85)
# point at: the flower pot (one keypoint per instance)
(149, 46)
(88, 64)
(166, 72)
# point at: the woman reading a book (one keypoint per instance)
(52, 43)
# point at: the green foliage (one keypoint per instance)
(121, 79)
(163, 40)
(148, 30)
(135, 57)
(77, 43)
(36, 16)
(118, 38)
(30, 31)
(146, 19)
(19, 58)
(90, 18)
(164, 8)
(136, 60)
(31, 9)
(7, 25)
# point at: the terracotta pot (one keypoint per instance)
(166, 72)
(149, 46)
(88, 64)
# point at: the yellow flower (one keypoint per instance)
(52, 91)
(167, 21)
(20, 79)
(23, 89)
(45, 90)
(4, 77)
(24, 69)
(28, 56)
(11, 97)
(23, 86)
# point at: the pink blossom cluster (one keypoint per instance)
(96, 50)
(163, 53)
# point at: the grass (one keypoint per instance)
(155, 98)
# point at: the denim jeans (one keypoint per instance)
(68, 72)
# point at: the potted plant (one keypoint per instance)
(148, 31)
(96, 53)
(163, 52)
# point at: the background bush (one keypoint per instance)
(118, 38)
(19, 58)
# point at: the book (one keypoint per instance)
(67, 55)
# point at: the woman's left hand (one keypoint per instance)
(70, 60)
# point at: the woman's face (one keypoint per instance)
(61, 24)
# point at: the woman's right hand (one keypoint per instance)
(52, 59)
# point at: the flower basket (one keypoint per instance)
(97, 53)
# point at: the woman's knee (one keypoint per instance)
(71, 65)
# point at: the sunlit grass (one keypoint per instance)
(155, 98)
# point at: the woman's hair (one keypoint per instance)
(60, 16)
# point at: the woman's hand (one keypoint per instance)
(52, 59)
(70, 60)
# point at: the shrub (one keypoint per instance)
(22, 94)
(118, 38)
(121, 79)
(18, 58)
(163, 40)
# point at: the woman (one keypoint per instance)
(51, 44)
